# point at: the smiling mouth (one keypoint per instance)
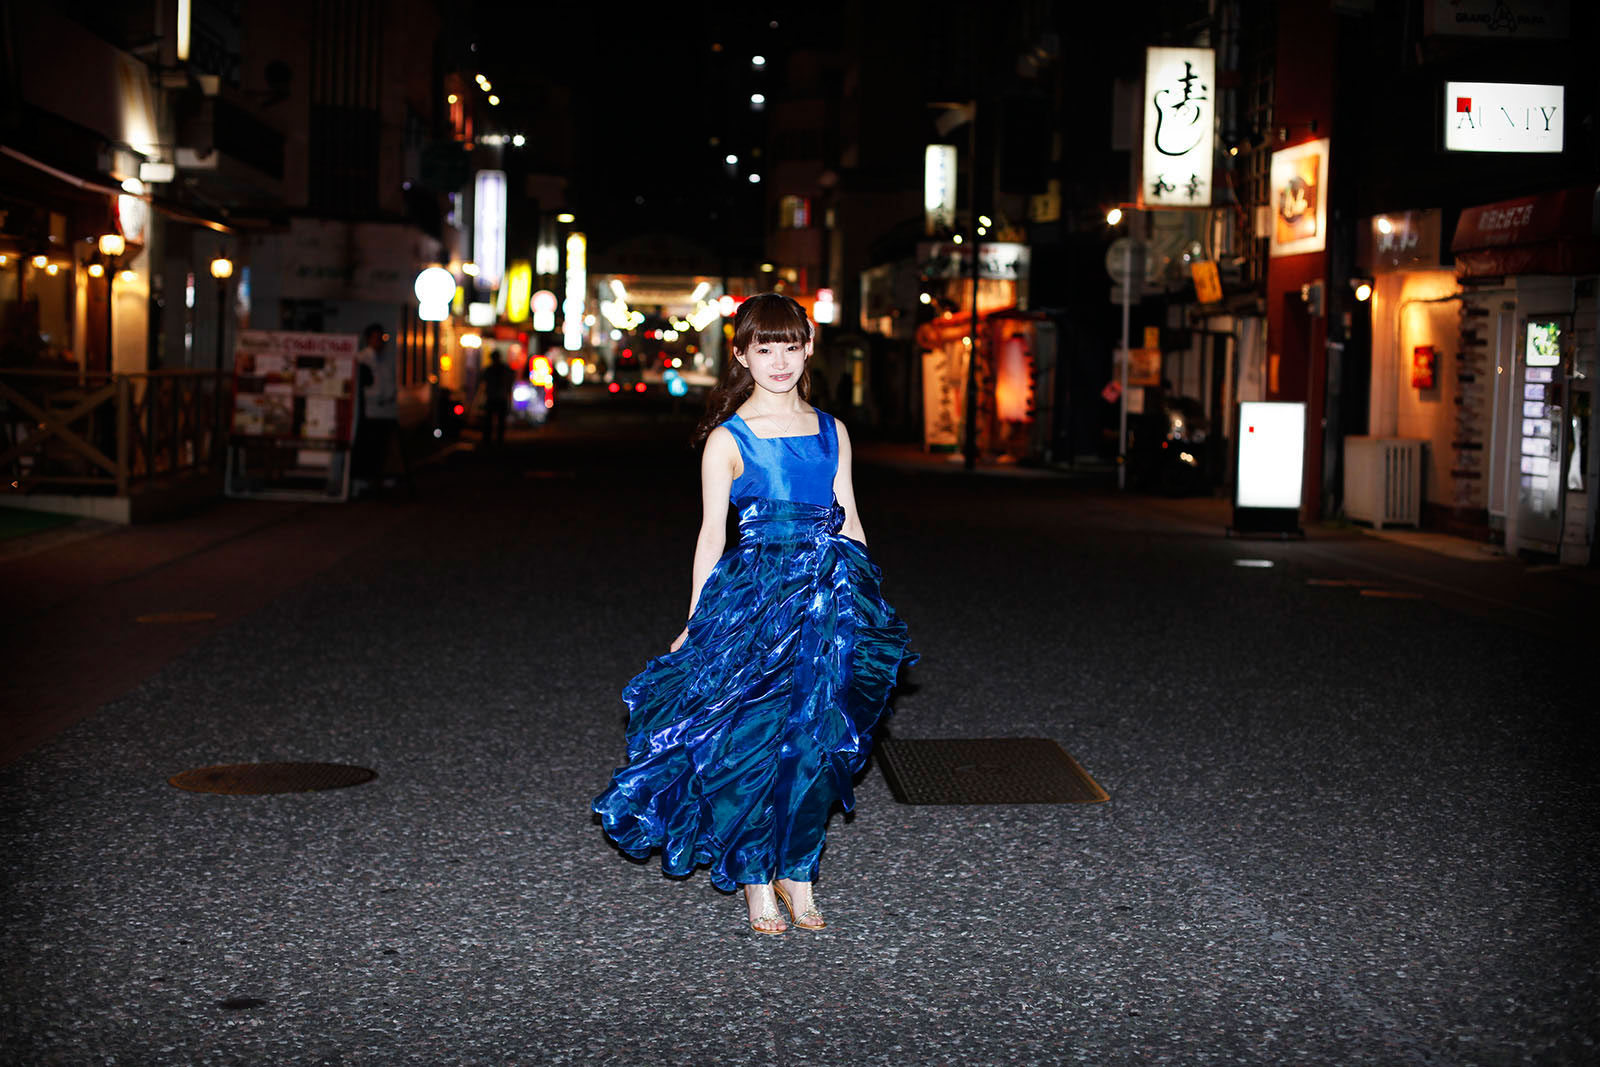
(785, 376)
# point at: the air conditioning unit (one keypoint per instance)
(1383, 480)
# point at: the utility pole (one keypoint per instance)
(969, 444)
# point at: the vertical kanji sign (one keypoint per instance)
(1179, 127)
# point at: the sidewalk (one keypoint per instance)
(897, 455)
(72, 597)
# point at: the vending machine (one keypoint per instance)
(1543, 369)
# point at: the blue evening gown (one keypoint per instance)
(742, 741)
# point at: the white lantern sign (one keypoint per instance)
(1179, 116)
(939, 187)
(435, 288)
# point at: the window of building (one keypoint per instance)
(794, 213)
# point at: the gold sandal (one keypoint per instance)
(769, 915)
(810, 919)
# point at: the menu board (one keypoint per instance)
(298, 389)
(294, 415)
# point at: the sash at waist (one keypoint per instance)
(768, 521)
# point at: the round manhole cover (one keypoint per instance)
(243, 778)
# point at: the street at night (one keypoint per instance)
(893, 533)
(1340, 829)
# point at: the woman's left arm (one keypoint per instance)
(845, 490)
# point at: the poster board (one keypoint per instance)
(944, 393)
(294, 415)
(1299, 180)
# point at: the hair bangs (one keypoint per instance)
(768, 319)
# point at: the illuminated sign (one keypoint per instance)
(1178, 120)
(824, 311)
(480, 314)
(544, 311)
(939, 187)
(1300, 199)
(577, 284)
(1544, 345)
(1503, 117)
(1272, 439)
(519, 290)
(489, 227)
(434, 288)
(1424, 362)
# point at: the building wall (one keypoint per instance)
(1296, 340)
(1405, 315)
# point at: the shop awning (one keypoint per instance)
(1550, 233)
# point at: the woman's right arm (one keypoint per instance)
(719, 465)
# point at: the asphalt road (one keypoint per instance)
(1343, 828)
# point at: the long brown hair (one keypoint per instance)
(764, 319)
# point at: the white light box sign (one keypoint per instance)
(1504, 117)
(1272, 441)
(1179, 122)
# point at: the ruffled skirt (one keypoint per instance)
(741, 743)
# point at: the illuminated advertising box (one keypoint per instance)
(489, 227)
(1272, 441)
(939, 187)
(1503, 117)
(1178, 119)
(1299, 180)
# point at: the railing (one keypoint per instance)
(96, 432)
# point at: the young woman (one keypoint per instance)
(745, 735)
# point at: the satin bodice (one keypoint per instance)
(796, 469)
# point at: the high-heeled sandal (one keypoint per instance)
(810, 919)
(770, 915)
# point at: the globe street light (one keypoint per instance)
(111, 246)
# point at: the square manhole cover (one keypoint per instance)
(985, 770)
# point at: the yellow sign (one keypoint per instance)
(519, 288)
(1144, 366)
(1207, 283)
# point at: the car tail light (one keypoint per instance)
(614, 387)
(638, 387)
(460, 409)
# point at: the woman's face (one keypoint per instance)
(775, 365)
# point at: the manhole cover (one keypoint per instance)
(985, 770)
(242, 778)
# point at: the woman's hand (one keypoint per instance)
(677, 642)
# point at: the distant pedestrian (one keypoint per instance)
(747, 733)
(379, 406)
(497, 383)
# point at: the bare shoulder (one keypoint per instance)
(722, 449)
(842, 431)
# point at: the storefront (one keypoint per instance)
(1529, 270)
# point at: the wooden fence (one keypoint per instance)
(99, 433)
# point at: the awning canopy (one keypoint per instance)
(1549, 233)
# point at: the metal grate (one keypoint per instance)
(986, 770)
(257, 778)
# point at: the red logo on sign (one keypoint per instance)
(1463, 105)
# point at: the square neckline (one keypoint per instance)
(785, 437)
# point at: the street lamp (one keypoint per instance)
(111, 246)
(221, 270)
